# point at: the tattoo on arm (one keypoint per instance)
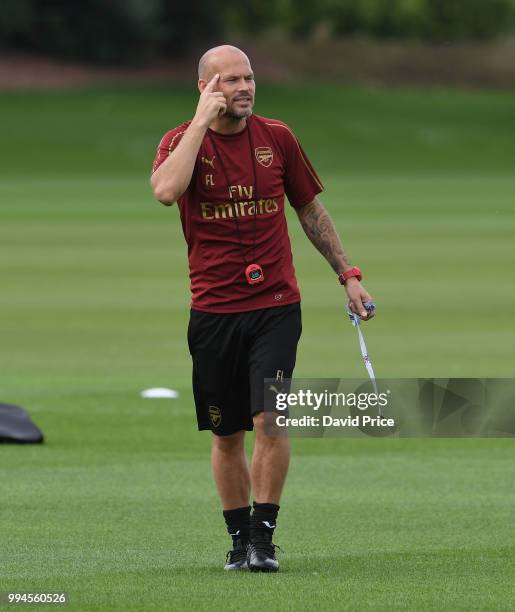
(319, 228)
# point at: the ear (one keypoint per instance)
(201, 85)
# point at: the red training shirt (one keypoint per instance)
(226, 234)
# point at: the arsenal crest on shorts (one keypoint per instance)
(265, 156)
(215, 414)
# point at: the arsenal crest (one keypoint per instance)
(215, 414)
(265, 156)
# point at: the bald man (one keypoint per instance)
(229, 171)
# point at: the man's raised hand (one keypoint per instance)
(211, 104)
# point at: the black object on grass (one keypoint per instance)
(17, 426)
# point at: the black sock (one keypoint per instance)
(238, 523)
(263, 521)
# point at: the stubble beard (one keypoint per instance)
(231, 114)
(238, 116)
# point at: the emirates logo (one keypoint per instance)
(265, 156)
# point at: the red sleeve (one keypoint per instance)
(168, 143)
(301, 182)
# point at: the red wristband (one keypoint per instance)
(353, 272)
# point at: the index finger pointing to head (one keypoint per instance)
(211, 84)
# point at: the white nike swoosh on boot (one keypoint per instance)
(268, 525)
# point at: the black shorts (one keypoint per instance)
(232, 355)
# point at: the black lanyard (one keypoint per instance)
(231, 196)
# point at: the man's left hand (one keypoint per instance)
(358, 295)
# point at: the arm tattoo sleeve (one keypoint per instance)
(320, 229)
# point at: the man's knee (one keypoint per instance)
(263, 426)
(267, 431)
(259, 421)
(229, 444)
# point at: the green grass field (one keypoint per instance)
(118, 508)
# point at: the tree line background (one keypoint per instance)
(136, 31)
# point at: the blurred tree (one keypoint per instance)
(96, 30)
(426, 19)
(448, 19)
(116, 31)
(186, 24)
(107, 31)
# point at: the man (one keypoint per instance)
(229, 171)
